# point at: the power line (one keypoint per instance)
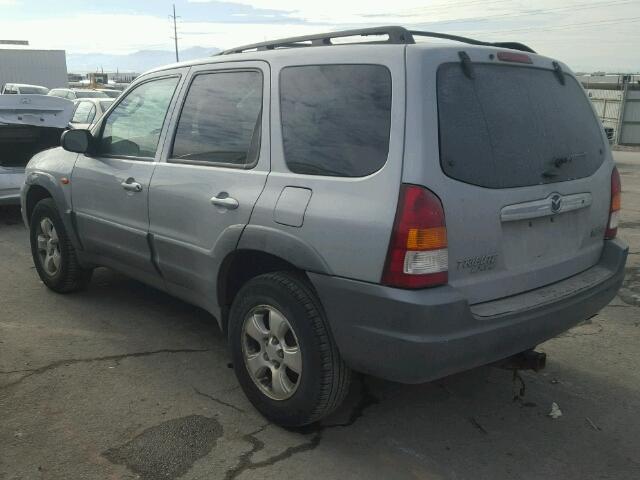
(578, 7)
(567, 26)
(435, 9)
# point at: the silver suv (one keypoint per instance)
(407, 210)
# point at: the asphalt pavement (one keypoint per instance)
(122, 381)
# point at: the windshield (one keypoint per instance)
(514, 126)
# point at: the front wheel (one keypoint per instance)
(283, 354)
(53, 253)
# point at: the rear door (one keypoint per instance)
(519, 161)
(110, 187)
(213, 170)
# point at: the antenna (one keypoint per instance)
(175, 30)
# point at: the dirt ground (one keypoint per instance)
(123, 382)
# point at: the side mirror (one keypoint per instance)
(78, 141)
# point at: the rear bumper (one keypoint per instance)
(414, 336)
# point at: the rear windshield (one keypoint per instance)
(33, 91)
(515, 126)
(81, 94)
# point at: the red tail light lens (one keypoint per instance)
(616, 202)
(418, 255)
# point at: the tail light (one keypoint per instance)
(417, 255)
(616, 201)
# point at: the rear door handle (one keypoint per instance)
(225, 201)
(131, 185)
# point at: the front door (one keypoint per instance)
(110, 186)
(203, 191)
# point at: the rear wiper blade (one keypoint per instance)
(558, 162)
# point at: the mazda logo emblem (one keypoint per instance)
(556, 203)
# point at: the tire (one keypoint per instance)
(61, 272)
(324, 379)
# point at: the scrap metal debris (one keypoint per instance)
(518, 390)
(555, 411)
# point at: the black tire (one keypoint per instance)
(325, 379)
(70, 276)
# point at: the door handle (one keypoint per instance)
(131, 185)
(225, 201)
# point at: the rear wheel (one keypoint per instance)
(283, 354)
(53, 254)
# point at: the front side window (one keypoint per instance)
(220, 120)
(133, 127)
(335, 118)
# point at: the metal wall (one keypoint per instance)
(618, 106)
(630, 119)
(37, 67)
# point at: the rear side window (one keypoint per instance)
(220, 120)
(515, 126)
(335, 118)
(85, 112)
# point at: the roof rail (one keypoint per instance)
(472, 41)
(395, 35)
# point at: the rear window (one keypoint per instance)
(84, 94)
(515, 126)
(335, 118)
(33, 91)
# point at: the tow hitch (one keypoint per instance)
(527, 360)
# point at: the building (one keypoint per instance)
(19, 64)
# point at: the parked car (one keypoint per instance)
(76, 93)
(111, 93)
(406, 210)
(28, 125)
(23, 89)
(89, 110)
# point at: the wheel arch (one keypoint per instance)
(238, 268)
(33, 196)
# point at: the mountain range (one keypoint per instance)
(137, 62)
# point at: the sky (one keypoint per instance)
(587, 34)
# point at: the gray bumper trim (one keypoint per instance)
(414, 336)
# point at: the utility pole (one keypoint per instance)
(175, 30)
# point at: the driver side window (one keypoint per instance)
(133, 128)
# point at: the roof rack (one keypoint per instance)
(395, 35)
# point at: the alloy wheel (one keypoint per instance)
(271, 352)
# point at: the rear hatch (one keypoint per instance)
(519, 161)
